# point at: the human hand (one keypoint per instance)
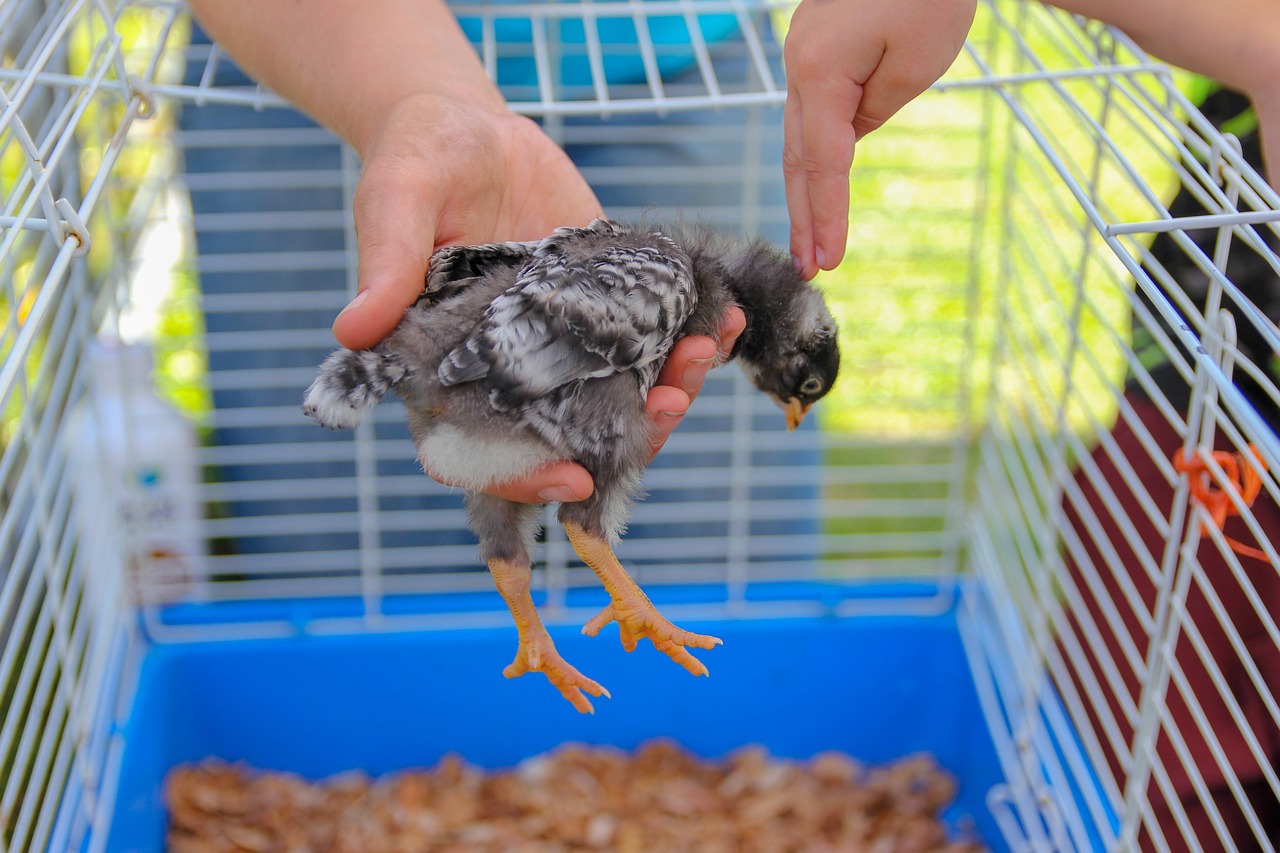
(852, 64)
(1268, 108)
(441, 172)
(678, 384)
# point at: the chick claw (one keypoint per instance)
(630, 607)
(537, 654)
(637, 620)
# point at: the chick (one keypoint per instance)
(521, 354)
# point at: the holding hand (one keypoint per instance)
(441, 172)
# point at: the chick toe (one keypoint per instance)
(536, 652)
(635, 614)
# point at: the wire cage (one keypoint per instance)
(1036, 531)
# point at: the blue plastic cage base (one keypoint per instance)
(878, 687)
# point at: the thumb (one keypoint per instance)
(395, 230)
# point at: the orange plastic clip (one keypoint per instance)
(1244, 478)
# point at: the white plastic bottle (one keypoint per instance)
(146, 452)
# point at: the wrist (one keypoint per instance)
(428, 110)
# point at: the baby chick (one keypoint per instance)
(521, 354)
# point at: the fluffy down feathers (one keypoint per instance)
(578, 310)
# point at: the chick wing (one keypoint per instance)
(581, 307)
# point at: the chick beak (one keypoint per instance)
(795, 411)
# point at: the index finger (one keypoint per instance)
(826, 117)
(557, 481)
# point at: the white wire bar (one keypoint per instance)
(586, 59)
(60, 611)
(1126, 488)
(1090, 454)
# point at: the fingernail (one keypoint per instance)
(557, 493)
(695, 373)
(822, 258)
(355, 303)
(797, 264)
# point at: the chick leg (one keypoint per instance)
(506, 531)
(536, 652)
(631, 608)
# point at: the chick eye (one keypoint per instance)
(811, 386)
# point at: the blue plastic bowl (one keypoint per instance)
(621, 61)
(877, 687)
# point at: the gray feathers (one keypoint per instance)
(455, 268)
(520, 355)
(350, 384)
(581, 308)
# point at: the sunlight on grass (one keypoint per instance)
(977, 293)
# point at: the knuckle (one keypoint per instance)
(812, 59)
(831, 162)
(793, 162)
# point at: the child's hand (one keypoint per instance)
(852, 64)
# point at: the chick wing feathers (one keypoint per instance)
(455, 268)
(581, 307)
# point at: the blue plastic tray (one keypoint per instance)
(877, 687)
